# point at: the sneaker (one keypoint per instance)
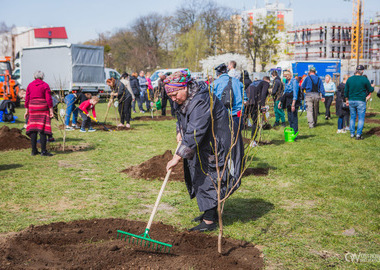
(51, 139)
(203, 227)
(343, 131)
(359, 137)
(127, 125)
(276, 124)
(91, 129)
(82, 130)
(253, 144)
(142, 111)
(347, 128)
(352, 136)
(68, 128)
(120, 125)
(134, 112)
(75, 126)
(283, 124)
(339, 131)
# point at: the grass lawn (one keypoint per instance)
(319, 201)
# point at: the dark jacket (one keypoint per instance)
(122, 92)
(278, 89)
(135, 85)
(245, 79)
(257, 93)
(197, 148)
(341, 110)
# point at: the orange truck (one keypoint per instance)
(8, 87)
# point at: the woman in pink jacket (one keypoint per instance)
(38, 111)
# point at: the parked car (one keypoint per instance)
(154, 77)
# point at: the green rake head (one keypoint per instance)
(144, 240)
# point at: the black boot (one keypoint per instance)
(276, 124)
(203, 227)
(198, 219)
(46, 154)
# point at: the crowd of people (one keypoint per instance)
(210, 116)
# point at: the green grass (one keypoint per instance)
(318, 187)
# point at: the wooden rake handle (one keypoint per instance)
(160, 194)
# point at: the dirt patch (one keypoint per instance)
(155, 168)
(98, 126)
(155, 118)
(91, 244)
(374, 131)
(369, 120)
(68, 148)
(256, 172)
(12, 139)
(370, 114)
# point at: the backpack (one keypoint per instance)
(314, 86)
(227, 97)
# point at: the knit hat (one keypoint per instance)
(177, 81)
(312, 69)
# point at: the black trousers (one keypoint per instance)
(125, 110)
(328, 101)
(33, 138)
(253, 111)
(86, 121)
(164, 102)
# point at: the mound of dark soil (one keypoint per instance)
(91, 244)
(369, 120)
(155, 168)
(12, 139)
(370, 114)
(264, 142)
(155, 118)
(374, 131)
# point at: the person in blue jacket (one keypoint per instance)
(289, 100)
(238, 91)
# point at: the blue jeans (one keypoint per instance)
(340, 122)
(71, 109)
(293, 119)
(357, 108)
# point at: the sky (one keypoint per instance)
(85, 19)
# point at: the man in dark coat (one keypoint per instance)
(124, 97)
(194, 128)
(277, 91)
(257, 93)
(164, 96)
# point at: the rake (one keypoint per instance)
(97, 121)
(144, 239)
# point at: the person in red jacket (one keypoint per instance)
(84, 110)
(38, 111)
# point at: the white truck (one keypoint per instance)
(67, 68)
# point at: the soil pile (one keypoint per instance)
(91, 244)
(155, 168)
(256, 171)
(369, 120)
(12, 139)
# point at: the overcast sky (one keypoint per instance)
(85, 19)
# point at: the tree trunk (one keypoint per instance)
(254, 61)
(220, 236)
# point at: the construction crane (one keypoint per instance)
(357, 31)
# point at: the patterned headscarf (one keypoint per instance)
(177, 81)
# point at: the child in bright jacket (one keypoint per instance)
(84, 109)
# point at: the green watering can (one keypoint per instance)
(289, 134)
(158, 105)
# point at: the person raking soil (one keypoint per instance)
(194, 128)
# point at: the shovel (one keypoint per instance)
(97, 121)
